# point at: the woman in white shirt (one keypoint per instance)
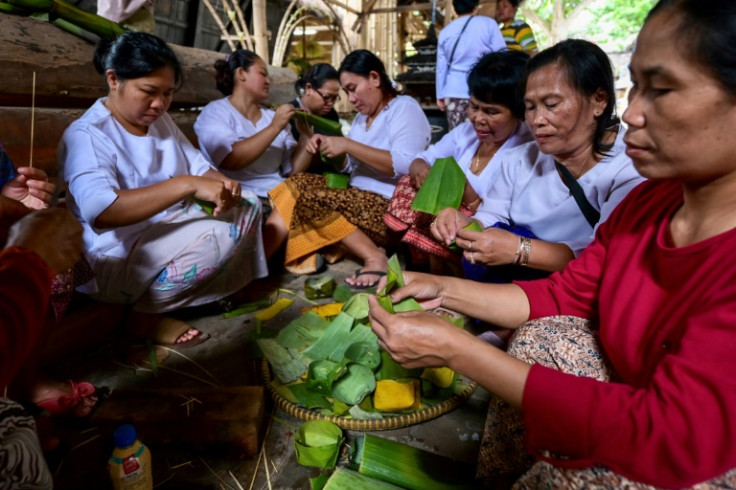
(133, 178)
(459, 46)
(495, 126)
(386, 134)
(533, 218)
(244, 140)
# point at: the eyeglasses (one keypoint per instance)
(328, 99)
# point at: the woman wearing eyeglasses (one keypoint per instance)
(245, 141)
(317, 93)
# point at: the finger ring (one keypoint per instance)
(434, 223)
(472, 258)
(470, 245)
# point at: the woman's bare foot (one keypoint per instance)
(162, 329)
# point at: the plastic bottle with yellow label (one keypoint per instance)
(130, 463)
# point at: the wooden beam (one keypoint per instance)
(344, 6)
(403, 8)
(357, 25)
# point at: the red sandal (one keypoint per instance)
(66, 404)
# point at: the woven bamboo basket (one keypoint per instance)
(387, 423)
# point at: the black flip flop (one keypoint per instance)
(372, 285)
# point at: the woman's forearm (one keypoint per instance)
(493, 369)
(248, 150)
(300, 157)
(135, 205)
(549, 256)
(504, 305)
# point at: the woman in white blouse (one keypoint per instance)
(246, 141)
(386, 134)
(133, 180)
(551, 194)
(494, 127)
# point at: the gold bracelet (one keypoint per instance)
(526, 251)
(517, 256)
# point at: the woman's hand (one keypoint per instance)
(31, 187)
(333, 146)
(414, 339)
(447, 224)
(425, 288)
(305, 130)
(492, 246)
(314, 143)
(418, 170)
(224, 194)
(282, 116)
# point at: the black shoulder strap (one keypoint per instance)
(591, 214)
(454, 47)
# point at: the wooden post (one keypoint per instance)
(260, 32)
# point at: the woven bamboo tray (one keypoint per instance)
(387, 423)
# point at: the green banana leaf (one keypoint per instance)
(336, 181)
(443, 187)
(319, 287)
(303, 331)
(322, 124)
(472, 226)
(353, 386)
(365, 353)
(317, 443)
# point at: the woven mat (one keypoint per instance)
(388, 422)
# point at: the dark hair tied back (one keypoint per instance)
(707, 29)
(224, 69)
(316, 77)
(362, 62)
(495, 79)
(134, 55)
(463, 7)
(589, 70)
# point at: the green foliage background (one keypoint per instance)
(613, 23)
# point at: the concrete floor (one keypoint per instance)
(81, 461)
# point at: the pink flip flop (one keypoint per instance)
(65, 404)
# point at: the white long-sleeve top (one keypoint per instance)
(99, 157)
(529, 192)
(462, 143)
(481, 36)
(401, 128)
(221, 125)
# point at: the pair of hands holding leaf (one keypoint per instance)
(329, 146)
(416, 338)
(491, 246)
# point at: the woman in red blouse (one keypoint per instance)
(624, 377)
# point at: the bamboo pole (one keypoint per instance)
(241, 17)
(230, 12)
(260, 32)
(33, 118)
(222, 27)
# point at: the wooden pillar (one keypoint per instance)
(260, 29)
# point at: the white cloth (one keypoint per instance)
(462, 143)
(121, 10)
(401, 128)
(480, 37)
(529, 192)
(99, 157)
(179, 257)
(221, 125)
